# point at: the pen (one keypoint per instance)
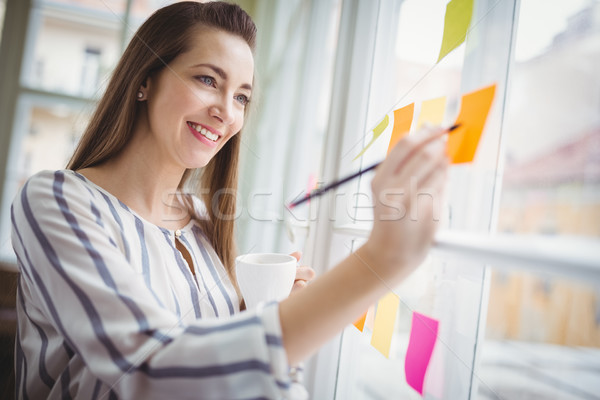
(335, 184)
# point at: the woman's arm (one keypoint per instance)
(104, 330)
(402, 233)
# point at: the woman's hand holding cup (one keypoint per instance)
(304, 274)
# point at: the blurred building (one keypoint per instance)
(551, 185)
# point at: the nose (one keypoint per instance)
(222, 110)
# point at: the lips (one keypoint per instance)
(213, 137)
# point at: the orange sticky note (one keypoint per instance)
(474, 109)
(432, 111)
(385, 317)
(360, 323)
(377, 131)
(402, 120)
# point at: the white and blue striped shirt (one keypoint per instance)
(108, 308)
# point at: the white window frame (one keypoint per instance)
(350, 90)
(571, 257)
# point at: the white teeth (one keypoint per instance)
(205, 132)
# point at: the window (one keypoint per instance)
(69, 51)
(445, 289)
(551, 181)
(513, 277)
(71, 47)
(2, 10)
(81, 32)
(543, 331)
(282, 144)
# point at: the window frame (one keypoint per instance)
(23, 20)
(347, 121)
(571, 257)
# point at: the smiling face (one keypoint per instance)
(197, 103)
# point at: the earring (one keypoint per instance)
(140, 95)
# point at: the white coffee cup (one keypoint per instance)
(265, 276)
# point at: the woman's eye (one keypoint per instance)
(207, 80)
(242, 99)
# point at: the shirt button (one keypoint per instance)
(178, 233)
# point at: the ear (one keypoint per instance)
(143, 91)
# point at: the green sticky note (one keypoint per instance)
(456, 24)
(377, 131)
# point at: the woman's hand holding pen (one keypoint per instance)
(408, 197)
(405, 221)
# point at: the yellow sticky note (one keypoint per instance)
(385, 317)
(360, 323)
(432, 111)
(402, 120)
(474, 109)
(456, 23)
(377, 131)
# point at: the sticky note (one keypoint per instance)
(377, 131)
(456, 23)
(360, 322)
(385, 317)
(423, 335)
(432, 111)
(474, 109)
(402, 120)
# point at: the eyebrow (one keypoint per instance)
(219, 71)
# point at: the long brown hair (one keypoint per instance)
(157, 42)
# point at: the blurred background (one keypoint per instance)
(327, 72)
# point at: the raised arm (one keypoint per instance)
(397, 245)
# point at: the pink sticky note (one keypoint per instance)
(423, 334)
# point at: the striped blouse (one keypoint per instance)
(108, 308)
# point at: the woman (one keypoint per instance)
(127, 288)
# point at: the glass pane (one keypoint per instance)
(448, 292)
(481, 61)
(115, 7)
(2, 10)
(542, 339)
(140, 11)
(294, 64)
(543, 333)
(51, 136)
(551, 179)
(46, 132)
(410, 74)
(72, 46)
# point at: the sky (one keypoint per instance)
(421, 27)
(540, 21)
